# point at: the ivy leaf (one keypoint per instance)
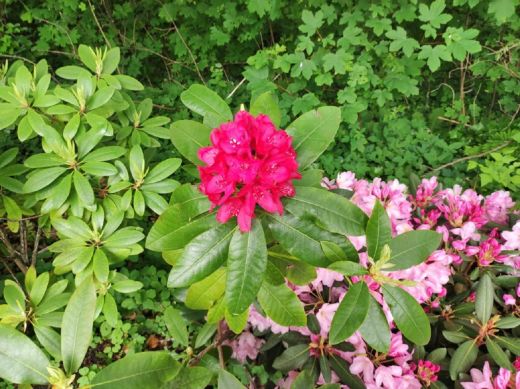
(434, 55)
(460, 42)
(379, 26)
(311, 22)
(339, 61)
(400, 41)
(502, 9)
(433, 15)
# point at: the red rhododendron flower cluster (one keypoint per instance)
(250, 162)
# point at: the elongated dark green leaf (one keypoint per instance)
(375, 330)
(21, 361)
(341, 369)
(350, 314)
(246, 265)
(408, 315)
(42, 178)
(334, 212)
(312, 133)
(484, 298)
(49, 339)
(83, 188)
(348, 268)
(76, 327)
(207, 103)
(301, 238)
(412, 248)
(142, 370)
(293, 358)
(202, 256)
(498, 355)
(176, 325)
(282, 305)
(174, 230)
(512, 344)
(463, 358)
(188, 136)
(379, 231)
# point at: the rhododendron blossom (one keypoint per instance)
(250, 162)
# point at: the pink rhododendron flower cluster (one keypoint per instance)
(463, 218)
(250, 162)
(484, 379)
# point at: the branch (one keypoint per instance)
(483, 154)
(189, 51)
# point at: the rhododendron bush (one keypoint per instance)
(307, 281)
(345, 281)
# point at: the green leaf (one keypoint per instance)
(21, 361)
(163, 170)
(304, 380)
(87, 56)
(38, 288)
(128, 82)
(42, 178)
(174, 229)
(350, 314)
(341, 369)
(379, 231)
(110, 310)
(247, 261)
(73, 73)
(267, 104)
(101, 267)
(207, 103)
(141, 370)
(502, 9)
(83, 188)
(188, 137)
(202, 256)
(205, 334)
(100, 98)
(196, 377)
(512, 344)
(202, 294)
(348, 268)
(412, 248)
(127, 286)
(498, 355)
(400, 41)
(408, 315)
(334, 212)
(463, 358)
(176, 325)
(507, 322)
(106, 153)
(111, 60)
(49, 339)
(301, 238)
(76, 327)
(292, 358)
(228, 381)
(99, 169)
(312, 133)
(192, 202)
(375, 330)
(484, 298)
(73, 227)
(282, 305)
(236, 322)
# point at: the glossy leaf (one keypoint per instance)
(282, 305)
(246, 264)
(408, 315)
(484, 298)
(412, 248)
(351, 313)
(379, 231)
(463, 358)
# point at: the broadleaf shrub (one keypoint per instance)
(228, 260)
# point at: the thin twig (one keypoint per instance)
(189, 51)
(219, 345)
(17, 57)
(452, 121)
(35, 247)
(236, 88)
(99, 25)
(483, 154)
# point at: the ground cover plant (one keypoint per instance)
(210, 237)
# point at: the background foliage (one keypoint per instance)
(420, 85)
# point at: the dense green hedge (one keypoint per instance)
(419, 85)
